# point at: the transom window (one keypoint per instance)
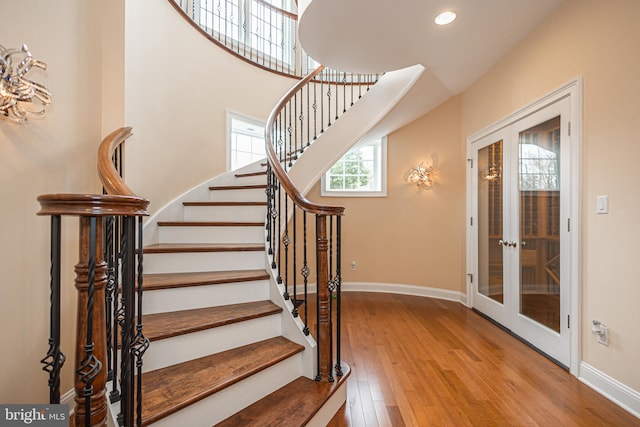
(361, 172)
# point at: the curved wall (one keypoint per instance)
(178, 86)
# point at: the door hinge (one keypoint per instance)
(470, 277)
(470, 162)
(568, 321)
(471, 221)
(569, 129)
(569, 225)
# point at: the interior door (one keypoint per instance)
(541, 205)
(520, 205)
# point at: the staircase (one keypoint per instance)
(217, 344)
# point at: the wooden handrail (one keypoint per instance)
(298, 198)
(268, 5)
(111, 179)
(95, 205)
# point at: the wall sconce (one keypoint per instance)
(491, 173)
(16, 91)
(423, 175)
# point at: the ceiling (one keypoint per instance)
(366, 36)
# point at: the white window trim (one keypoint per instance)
(374, 193)
(238, 116)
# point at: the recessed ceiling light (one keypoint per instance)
(446, 17)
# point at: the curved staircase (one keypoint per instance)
(217, 344)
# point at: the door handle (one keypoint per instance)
(512, 243)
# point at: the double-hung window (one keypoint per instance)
(361, 172)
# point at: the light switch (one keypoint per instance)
(602, 204)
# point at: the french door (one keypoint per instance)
(520, 203)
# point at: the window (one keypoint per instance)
(361, 172)
(245, 141)
(261, 28)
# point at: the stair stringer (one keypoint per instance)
(292, 327)
(355, 124)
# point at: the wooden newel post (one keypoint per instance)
(91, 360)
(324, 298)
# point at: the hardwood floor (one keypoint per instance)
(424, 362)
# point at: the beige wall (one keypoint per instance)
(598, 41)
(55, 154)
(412, 236)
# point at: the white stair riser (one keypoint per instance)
(221, 405)
(224, 213)
(240, 195)
(211, 234)
(185, 262)
(163, 300)
(250, 180)
(171, 351)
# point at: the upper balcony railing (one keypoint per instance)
(262, 32)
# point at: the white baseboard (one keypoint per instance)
(612, 389)
(393, 288)
(67, 399)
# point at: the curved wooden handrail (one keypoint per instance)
(293, 192)
(111, 179)
(277, 9)
(92, 205)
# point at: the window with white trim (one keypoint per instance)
(361, 172)
(245, 141)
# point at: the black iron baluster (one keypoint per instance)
(318, 284)
(285, 242)
(329, 98)
(109, 292)
(321, 75)
(115, 396)
(331, 284)
(141, 343)
(54, 359)
(315, 111)
(289, 130)
(336, 82)
(338, 295)
(305, 274)
(90, 366)
(294, 269)
(351, 77)
(359, 86)
(308, 119)
(294, 153)
(344, 92)
(127, 333)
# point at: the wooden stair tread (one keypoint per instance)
(224, 203)
(170, 389)
(238, 187)
(210, 224)
(290, 406)
(156, 281)
(166, 248)
(240, 175)
(166, 325)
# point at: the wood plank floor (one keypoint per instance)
(424, 362)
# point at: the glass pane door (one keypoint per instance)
(490, 222)
(539, 195)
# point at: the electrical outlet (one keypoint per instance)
(603, 336)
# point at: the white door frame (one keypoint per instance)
(573, 90)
